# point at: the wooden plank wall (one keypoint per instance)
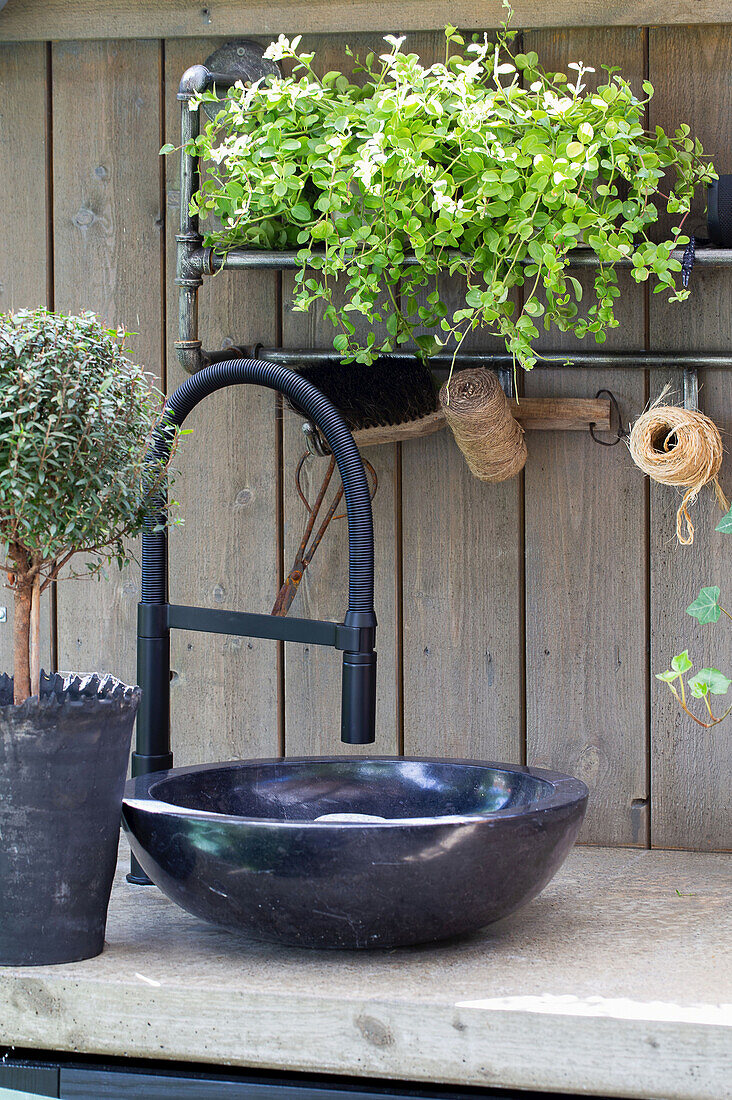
(520, 621)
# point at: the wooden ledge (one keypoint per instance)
(32, 20)
(615, 982)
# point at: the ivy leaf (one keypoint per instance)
(706, 607)
(725, 524)
(709, 681)
(668, 676)
(681, 663)
(167, 148)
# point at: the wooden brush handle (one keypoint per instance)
(565, 414)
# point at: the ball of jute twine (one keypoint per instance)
(676, 446)
(478, 414)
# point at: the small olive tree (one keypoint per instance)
(76, 418)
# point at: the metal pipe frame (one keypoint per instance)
(196, 262)
(205, 261)
(649, 360)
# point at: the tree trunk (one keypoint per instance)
(35, 637)
(21, 640)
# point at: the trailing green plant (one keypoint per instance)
(482, 165)
(76, 417)
(708, 682)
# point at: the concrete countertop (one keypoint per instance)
(615, 982)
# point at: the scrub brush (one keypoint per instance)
(389, 400)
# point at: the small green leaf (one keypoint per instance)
(668, 676)
(709, 681)
(681, 662)
(706, 607)
(301, 212)
(725, 524)
(167, 148)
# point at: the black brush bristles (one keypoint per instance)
(389, 391)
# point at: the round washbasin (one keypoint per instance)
(352, 852)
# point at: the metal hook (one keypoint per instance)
(614, 408)
(687, 261)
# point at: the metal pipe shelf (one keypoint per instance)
(204, 261)
(499, 361)
(195, 262)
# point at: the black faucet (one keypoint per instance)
(355, 636)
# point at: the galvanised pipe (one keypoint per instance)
(188, 239)
(204, 261)
(550, 360)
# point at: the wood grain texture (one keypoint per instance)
(611, 983)
(25, 20)
(585, 553)
(224, 691)
(23, 238)
(561, 414)
(313, 674)
(691, 768)
(23, 267)
(107, 259)
(549, 414)
(463, 640)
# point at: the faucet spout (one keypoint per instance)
(355, 636)
(358, 690)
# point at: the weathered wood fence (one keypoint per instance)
(519, 621)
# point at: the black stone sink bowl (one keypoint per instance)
(447, 846)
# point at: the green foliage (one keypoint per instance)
(725, 524)
(681, 663)
(76, 418)
(706, 607)
(708, 681)
(482, 165)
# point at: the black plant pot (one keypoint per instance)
(63, 762)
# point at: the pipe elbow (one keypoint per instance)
(194, 80)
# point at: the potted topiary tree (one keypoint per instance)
(75, 420)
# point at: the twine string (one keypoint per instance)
(479, 416)
(681, 447)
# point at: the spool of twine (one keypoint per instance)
(478, 414)
(676, 446)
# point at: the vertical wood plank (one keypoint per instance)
(463, 639)
(691, 768)
(23, 265)
(585, 550)
(107, 259)
(224, 690)
(23, 229)
(313, 674)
